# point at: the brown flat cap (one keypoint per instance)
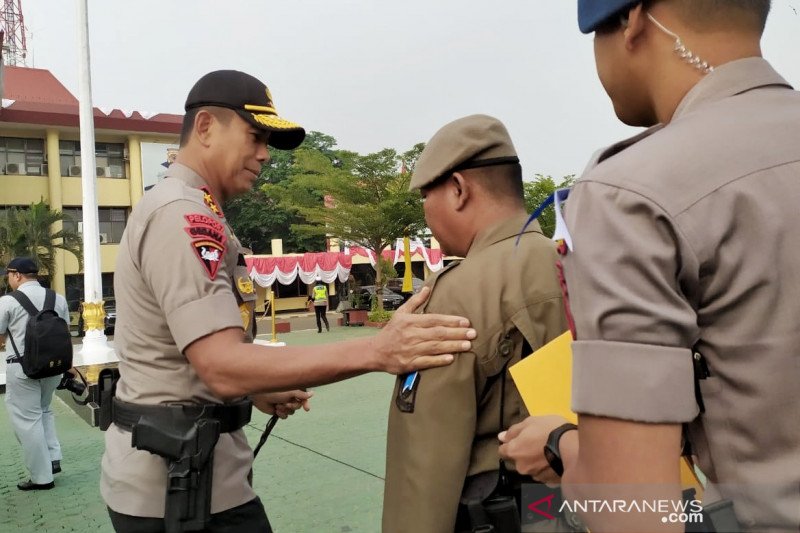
(469, 142)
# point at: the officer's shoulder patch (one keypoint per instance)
(208, 241)
(407, 391)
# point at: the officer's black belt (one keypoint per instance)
(230, 416)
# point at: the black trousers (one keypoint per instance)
(247, 518)
(319, 311)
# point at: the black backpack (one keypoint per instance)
(48, 343)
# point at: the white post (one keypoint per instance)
(95, 345)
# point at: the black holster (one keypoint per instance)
(188, 447)
(185, 435)
(497, 512)
(106, 390)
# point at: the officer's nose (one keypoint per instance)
(263, 153)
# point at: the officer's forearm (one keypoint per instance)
(629, 462)
(232, 368)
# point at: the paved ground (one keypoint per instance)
(319, 472)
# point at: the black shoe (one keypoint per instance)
(56, 467)
(30, 485)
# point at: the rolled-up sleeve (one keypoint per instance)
(627, 276)
(4, 314)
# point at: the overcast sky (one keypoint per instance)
(371, 73)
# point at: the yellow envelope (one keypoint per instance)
(544, 380)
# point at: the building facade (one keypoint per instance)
(40, 161)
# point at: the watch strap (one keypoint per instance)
(551, 450)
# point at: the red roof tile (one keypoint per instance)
(35, 85)
(39, 98)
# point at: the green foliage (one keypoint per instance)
(537, 191)
(380, 316)
(27, 232)
(362, 199)
(356, 300)
(387, 272)
(257, 218)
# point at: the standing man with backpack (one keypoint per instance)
(28, 399)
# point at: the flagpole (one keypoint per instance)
(95, 347)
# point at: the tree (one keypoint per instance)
(27, 232)
(363, 200)
(537, 191)
(257, 218)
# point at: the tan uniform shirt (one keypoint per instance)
(688, 238)
(178, 278)
(508, 293)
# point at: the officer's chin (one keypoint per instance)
(637, 118)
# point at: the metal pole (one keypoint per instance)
(95, 346)
(272, 309)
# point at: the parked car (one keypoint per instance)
(391, 300)
(110, 321)
(396, 285)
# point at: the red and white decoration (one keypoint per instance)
(330, 266)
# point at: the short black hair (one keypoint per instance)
(500, 181)
(188, 124)
(702, 14)
(222, 114)
(750, 14)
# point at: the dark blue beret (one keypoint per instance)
(593, 13)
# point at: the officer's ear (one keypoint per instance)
(203, 126)
(461, 189)
(633, 25)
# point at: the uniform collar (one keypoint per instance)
(32, 283)
(730, 79)
(505, 229)
(186, 175)
(196, 181)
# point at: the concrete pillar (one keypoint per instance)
(135, 166)
(57, 280)
(277, 247)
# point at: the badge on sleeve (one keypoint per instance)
(208, 241)
(245, 285)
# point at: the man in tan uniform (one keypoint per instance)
(185, 314)
(442, 446)
(684, 247)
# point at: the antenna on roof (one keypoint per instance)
(12, 23)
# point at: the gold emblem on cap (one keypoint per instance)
(262, 108)
(245, 285)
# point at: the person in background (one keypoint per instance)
(319, 300)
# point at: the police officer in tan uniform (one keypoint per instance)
(682, 268)
(442, 460)
(185, 316)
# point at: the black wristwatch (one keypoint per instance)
(551, 451)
